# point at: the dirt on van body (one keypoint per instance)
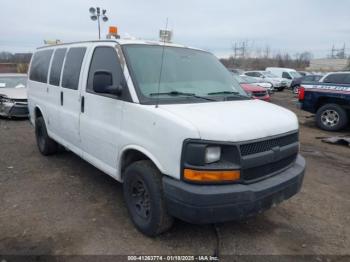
(61, 205)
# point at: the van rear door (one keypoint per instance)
(54, 91)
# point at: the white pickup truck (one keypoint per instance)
(171, 124)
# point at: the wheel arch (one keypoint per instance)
(133, 153)
(39, 112)
(323, 100)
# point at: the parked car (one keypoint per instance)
(337, 78)
(330, 102)
(236, 71)
(278, 83)
(256, 92)
(257, 82)
(307, 79)
(303, 73)
(253, 91)
(176, 129)
(292, 77)
(13, 95)
(311, 78)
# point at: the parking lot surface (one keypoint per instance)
(63, 205)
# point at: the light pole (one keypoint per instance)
(95, 14)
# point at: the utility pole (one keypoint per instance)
(240, 49)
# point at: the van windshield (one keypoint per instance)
(186, 75)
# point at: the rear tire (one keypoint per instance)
(143, 194)
(46, 145)
(296, 89)
(331, 117)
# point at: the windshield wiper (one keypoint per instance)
(231, 93)
(178, 93)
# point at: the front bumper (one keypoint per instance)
(14, 109)
(204, 204)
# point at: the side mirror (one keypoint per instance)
(103, 83)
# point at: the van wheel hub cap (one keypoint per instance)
(141, 199)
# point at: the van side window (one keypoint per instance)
(40, 66)
(72, 67)
(56, 67)
(286, 75)
(105, 59)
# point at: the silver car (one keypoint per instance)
(13, 95)
(278, 83)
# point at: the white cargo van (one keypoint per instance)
(286, 73)
(171, 124)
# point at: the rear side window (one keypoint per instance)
(56, 67)
(308, 78)
(347, 79)
(72, 67)
(335, 79)
(40, 66)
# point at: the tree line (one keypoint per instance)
(247, 56)
(299, 61)
(8, 57)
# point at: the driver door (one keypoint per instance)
(101, 113)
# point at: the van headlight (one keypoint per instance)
(212, 154)
(210, 162)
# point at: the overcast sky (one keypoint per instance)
(285, 25)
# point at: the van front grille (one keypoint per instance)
(266, 145)
(258, 172)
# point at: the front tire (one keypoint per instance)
(143, 194)
(331, 117)
(46, 145)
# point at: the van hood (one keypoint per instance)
(235, 121)
(14, 93)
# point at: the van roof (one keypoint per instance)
(121, 42)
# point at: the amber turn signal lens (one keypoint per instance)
(211, 176)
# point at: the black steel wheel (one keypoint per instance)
(46, 145)
(144, 198)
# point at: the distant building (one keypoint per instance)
(8, 68)
(23, 58)
(14, 63)
(328, 64)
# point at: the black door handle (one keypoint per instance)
(82, 106)
(61, 98)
